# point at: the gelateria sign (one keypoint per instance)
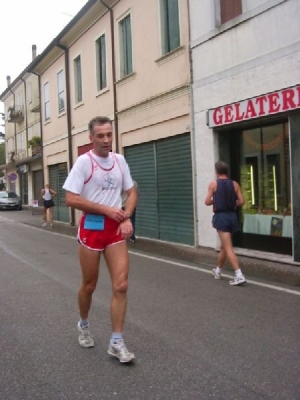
(272, 103)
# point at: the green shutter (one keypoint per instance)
(163, 170)
(175, 189)
(141, 160)
(57, 176)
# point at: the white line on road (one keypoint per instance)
(199, 269)
(178, 264)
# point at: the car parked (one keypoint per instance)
(10, 201)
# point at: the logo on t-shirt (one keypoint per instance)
(109, 182)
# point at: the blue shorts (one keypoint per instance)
(226, 221)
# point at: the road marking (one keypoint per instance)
(199, 269)
(178, 264)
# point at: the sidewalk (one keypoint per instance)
(276, 268)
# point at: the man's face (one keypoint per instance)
(102, 139)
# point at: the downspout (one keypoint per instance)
(113, 62)
(69, 121)
(41, 124)
(193, 137)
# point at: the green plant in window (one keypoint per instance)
(35, 141)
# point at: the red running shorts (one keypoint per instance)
(98, 240)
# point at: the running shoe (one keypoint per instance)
(119, 350)
(216, 275)
(238, 280)
(84, 339)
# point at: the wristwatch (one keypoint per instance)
(128, 216)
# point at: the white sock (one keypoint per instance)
(218, 270)
(238, 273)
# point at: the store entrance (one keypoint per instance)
(259, 161)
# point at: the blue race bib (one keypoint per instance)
(94, 222)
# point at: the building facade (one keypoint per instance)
(246, 112)
(23, 169)
(128, 60)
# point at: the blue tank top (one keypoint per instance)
(224, 197)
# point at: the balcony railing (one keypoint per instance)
(36, 150)
(21, 155)
(15, 114)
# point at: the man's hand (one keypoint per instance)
(116, 214)
(126, 229)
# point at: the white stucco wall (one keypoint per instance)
(257, 56)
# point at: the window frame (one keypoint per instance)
(78, 84)
(233, 13)
(125, 68)
(29, 92)
(101, 65)
(61, 91)
(47, 113)
(166, 39)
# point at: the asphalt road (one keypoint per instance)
(194, 337)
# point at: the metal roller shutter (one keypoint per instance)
(163, 170)
(38, 185)
(57, 176)
(141, 160)
(175, 189)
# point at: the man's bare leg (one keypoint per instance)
(89, 261)
(117, 261)
(118, 265)
(226, 241)
(222, 257)
(227, 249)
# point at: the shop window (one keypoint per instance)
(265, 181)
(230, 9)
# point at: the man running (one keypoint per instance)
(225, 196)
(94, 186)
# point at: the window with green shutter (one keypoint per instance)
(101, 62)
(125, 46)
(170, 25)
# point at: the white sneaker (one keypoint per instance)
(44, 224)
(85, 339)
(238, 280)
(120, 351)
(216, 275)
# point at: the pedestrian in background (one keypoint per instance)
(94, 186)
(124, 199)
(225, 196)
(48, 195)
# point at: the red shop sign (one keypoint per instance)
(272, 103)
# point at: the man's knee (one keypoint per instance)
(120, 287)
(88, 287)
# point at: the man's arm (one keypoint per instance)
(76, 201)
(131, 201)
(53, 192)
(211, 190)
(240, 198)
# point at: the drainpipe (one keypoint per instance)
(193, 135)
(41, 125)
(69, 121)
(113, 62)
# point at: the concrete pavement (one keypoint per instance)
(272, 267)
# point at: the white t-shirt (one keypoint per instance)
(100, 179)
(47, 195)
